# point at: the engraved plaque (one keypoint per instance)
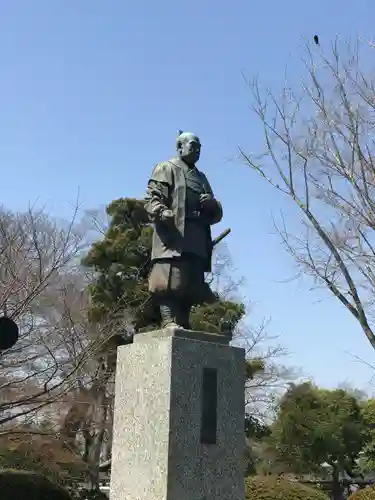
(209, 406)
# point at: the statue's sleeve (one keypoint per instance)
(158, 190)
(217, 213)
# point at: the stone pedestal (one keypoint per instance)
(179, 418)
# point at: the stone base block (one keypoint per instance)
(179, 419)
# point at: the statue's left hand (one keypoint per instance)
(208, 202)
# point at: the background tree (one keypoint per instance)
(56, 367)
(266, 380)
(315, 427)
(37, 271)
(367, 459)
(320, 154)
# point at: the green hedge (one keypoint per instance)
(43, 455)
(25, 485)
(273, 488)
(364, 494)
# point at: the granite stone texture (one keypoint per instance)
(157, 452)
(186, 334)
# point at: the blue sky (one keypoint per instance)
(93, 92)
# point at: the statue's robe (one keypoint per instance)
(181, 251)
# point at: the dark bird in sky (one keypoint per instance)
(316, 39)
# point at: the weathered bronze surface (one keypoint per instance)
(182, 207)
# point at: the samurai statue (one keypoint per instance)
(182, 207)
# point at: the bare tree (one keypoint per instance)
(267, 376)
(38, 268)
(319, 153)
(57, 381)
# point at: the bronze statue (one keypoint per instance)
(182, 208)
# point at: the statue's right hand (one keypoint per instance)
(167, 216)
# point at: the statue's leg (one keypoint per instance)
(159, 286)
(170, 284)
(175, 313)
(168, 313)
(183, 318)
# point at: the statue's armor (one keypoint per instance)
(181, 250)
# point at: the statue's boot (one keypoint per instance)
(175, 314)
(168, 316)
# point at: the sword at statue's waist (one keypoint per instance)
(221, 236)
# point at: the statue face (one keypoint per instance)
(189, 148)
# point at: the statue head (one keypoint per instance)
(188, 147)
